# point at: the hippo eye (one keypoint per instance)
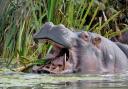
(86, 36)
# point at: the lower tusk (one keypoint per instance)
(64, 62)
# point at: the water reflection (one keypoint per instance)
(96, 85)
(85, 85)
(35, 81)
(111, 82)
(19, 87)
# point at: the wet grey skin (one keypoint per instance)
(86, 53)
(56, 33)
(123, 38)
(114, 57)
(123, 47)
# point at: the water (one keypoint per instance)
(13, 80)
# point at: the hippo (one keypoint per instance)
(80, 52)
(123, 47)
(114, 56)
(123, 38)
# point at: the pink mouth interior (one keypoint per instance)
(60, 59)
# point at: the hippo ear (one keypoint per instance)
(96, 41)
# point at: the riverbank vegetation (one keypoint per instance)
(20, 19)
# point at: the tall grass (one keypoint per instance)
(18, 23)
(19, 19)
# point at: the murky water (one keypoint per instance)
(12, 80)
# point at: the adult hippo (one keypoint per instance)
(123, 38)
(80, 52)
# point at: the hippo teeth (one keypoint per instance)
(64, 61)
(59, 58)
(54, 67)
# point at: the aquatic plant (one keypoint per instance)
(20, 19)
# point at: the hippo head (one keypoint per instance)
(68, 47)
(60, 37)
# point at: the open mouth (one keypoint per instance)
(58, 60)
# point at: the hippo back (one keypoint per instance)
(123, 47)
